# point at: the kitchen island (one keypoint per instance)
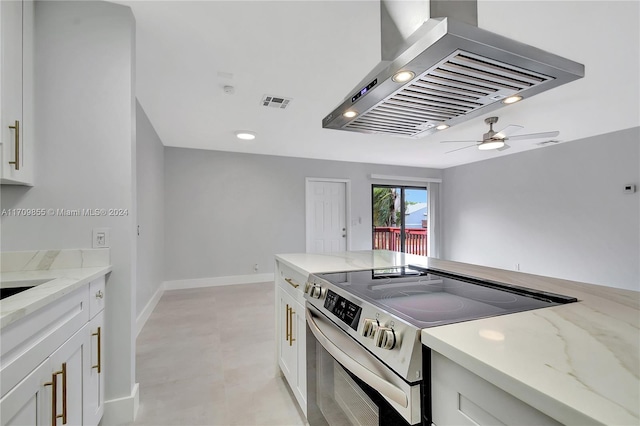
(575, 364)
(578, 363)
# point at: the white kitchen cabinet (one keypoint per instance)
(461, 398)
(67, 365)
(56, 346)
(29, 402)
(288, 352)
(94, 363)
(16, 92)
(291, 330)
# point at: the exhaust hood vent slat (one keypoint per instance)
(446, 93)
(424, 114)
(442, 72)
(441, 98)
(385, 118)
(390, 112)
(428, 106)
(456, 86)
(492, 66)
(489, 77)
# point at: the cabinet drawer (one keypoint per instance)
(96, 296)
(290, 281)
(28, 342)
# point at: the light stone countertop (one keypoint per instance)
(578, 363)
(308, 263)
(78, 267)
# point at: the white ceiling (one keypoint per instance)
(316, 52)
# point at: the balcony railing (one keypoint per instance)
(388, 238)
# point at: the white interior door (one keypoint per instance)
(327, 220)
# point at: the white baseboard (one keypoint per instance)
(148, 309)
(218, 281)
(122, 411)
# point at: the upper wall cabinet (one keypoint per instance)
(16, 92)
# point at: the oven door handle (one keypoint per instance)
(385, 388)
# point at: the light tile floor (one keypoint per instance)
(207, 357)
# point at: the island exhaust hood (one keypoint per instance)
(453, 71)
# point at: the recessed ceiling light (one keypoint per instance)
(491, 144)
(442, 127)
(245, 135)
(511, 100)
(403, 76)
(350, 114)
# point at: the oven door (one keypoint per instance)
(347, 385)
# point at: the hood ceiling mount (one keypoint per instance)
(456, 71)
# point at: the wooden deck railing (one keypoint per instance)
(388, 238)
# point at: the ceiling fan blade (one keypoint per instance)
(470, 146)
(544, 135)
(460, 141)
(509, 130)
(504, 147)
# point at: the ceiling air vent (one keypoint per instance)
(458, 85)
(275, 101)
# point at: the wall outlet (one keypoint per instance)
(101, 238)
(255, 268)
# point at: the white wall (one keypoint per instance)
(150, 204)
(558, 211)
(85, 135)
(224, 211)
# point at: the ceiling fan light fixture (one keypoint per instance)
(490, 144)
(442, 127)
(403, 76)
(512, 99)
(245, 135)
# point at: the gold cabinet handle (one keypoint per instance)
(286, 316)
(291, 283)
(291, 339)
(64, 393)
(99, 294)
(99, 364)
(54, 397)
(16, 161)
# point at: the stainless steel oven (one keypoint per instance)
(365, 362)
(347, 385)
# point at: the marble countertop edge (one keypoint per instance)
(62, 282)
(519, 389)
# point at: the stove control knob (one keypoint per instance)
(387, 338)
(316, 292)
(307, 286)
(369, 327)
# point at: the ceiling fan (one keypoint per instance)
(496, 140)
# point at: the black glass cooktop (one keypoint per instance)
(428, 298)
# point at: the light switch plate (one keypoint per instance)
(101, 238)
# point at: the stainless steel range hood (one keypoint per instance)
(459, 72)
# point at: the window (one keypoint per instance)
(400, 219)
